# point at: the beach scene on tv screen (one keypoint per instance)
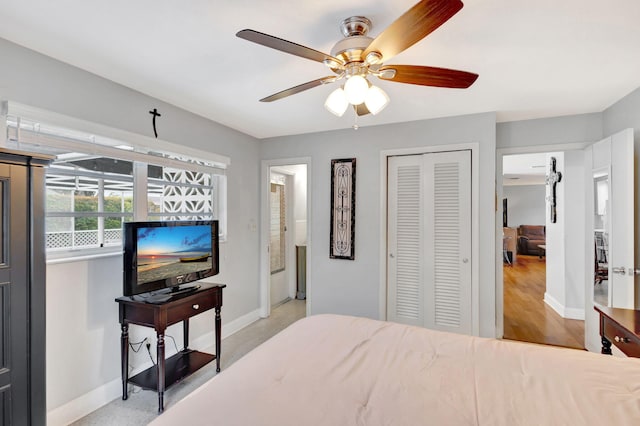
(165, 252)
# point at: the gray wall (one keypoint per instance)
(82, 322)
(575, 186)
(525, 204)
(352, 287)
(549, 131)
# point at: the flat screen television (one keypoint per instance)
(166, 254)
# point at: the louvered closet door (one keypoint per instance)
(405, 299)
(429, 240)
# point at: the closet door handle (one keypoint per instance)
(619, 270)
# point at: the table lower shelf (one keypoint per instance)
(176, 368)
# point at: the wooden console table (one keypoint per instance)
(133, 310)
(620, 327)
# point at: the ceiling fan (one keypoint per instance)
(357, 56)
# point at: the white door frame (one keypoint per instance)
(290, 223)
(475, 223)
(500, 153)
(265, 290)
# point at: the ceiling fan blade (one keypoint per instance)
(361, 109)
(427, 76)
(286, 46)
(299, 88)
(418, 22)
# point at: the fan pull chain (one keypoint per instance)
(355, 119)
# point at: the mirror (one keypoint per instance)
(601, 238)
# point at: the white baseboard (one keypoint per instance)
(91, 401)
(239, 323)
(80, 407)
(553, 303)
(563, 311)
(574, 313)
(207, 340)
(593, 348)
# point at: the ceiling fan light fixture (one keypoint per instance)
(358, 56)
(376, 100)
(356, 89)
(337, 102)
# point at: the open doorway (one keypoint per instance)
(538, 307)
(582, 202)
(285, 236)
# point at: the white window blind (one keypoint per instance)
(91, 186)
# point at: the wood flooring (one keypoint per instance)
(526, 316)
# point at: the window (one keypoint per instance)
(180, 194)
(96, 183)
(86, 208)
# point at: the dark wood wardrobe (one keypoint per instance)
(22, 288)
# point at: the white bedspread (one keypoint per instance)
(338, 370)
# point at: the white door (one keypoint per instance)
(278, 244)
(405, 226)
(429, 240)
(613, 177)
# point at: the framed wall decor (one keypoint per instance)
(343, 209)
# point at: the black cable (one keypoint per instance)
(149, 347)
(139, 345)
(174, 342)
(149, 350)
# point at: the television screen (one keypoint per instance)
(168, 253)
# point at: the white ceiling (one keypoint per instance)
(535, 58)
(524, 169)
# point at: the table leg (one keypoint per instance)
(160, 367)
(185, 334)
(124, 358)
(606, 346)
(218, 333)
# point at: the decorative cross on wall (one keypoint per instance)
(155, 114)
(552, 179)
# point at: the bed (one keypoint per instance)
(340, 370)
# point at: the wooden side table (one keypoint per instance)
(134, 310)
(620, 327)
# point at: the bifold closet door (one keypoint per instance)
(429, 240)
(405, 245)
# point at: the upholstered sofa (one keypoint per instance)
(530, 237)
